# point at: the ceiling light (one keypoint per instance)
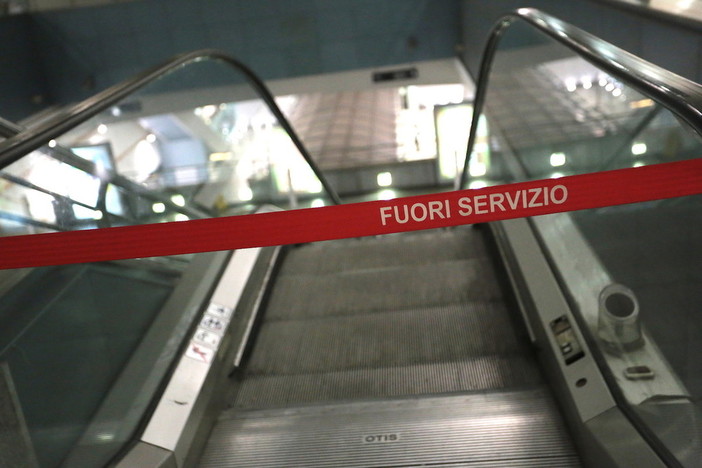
(639, 149)
(476, 168)
(221, 156)
(384, 179)
(245, 193)
(641, 103)
(557, 159)
(178, 199)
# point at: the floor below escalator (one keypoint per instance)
(398, 350)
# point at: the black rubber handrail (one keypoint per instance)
(29, 140)
(679, 95)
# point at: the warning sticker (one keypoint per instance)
(207, 338)
(220, 311)
(200, 353)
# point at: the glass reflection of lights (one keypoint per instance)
(317, 203)
(477, 184)
(387, 194)
(178, 199)
(477, 168)
(245, 193)
(641, 103)
(221, 156)
(158, 207)
(96, 138)
(145, 160)
(181, 217)
(105, 437)
(557, 175)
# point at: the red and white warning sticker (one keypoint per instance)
(533, 198)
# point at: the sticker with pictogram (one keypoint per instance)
(200, 353)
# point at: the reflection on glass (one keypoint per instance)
(452, 140)
(553, 114)
(197, 143)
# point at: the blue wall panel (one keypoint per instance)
(22, 81)
(277, 38)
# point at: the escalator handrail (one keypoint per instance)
(29, 140)
(679, 95)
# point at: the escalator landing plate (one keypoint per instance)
(506, 429)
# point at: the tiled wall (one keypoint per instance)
(66, 55)
(88, 49)
(41, 5)
(21, 79)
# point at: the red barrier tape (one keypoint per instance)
(359, 219)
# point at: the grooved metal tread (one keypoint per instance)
(470, 374)
(392, 338)
(351, 326)
(388, 250)
(499, 429)
(392, 288)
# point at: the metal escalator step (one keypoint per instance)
(382, 339)
(382, 251)
(392, 288)
(468, 374)
(499, 429)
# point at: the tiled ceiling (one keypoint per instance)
(349, 129)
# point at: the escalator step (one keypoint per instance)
(384, 251)
(380, 339)
(470, 374)
(380, 289)
(499, 429)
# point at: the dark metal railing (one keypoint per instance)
(679, 95)
(23, 142)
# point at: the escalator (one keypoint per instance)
(468, 346)
(399, 350)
